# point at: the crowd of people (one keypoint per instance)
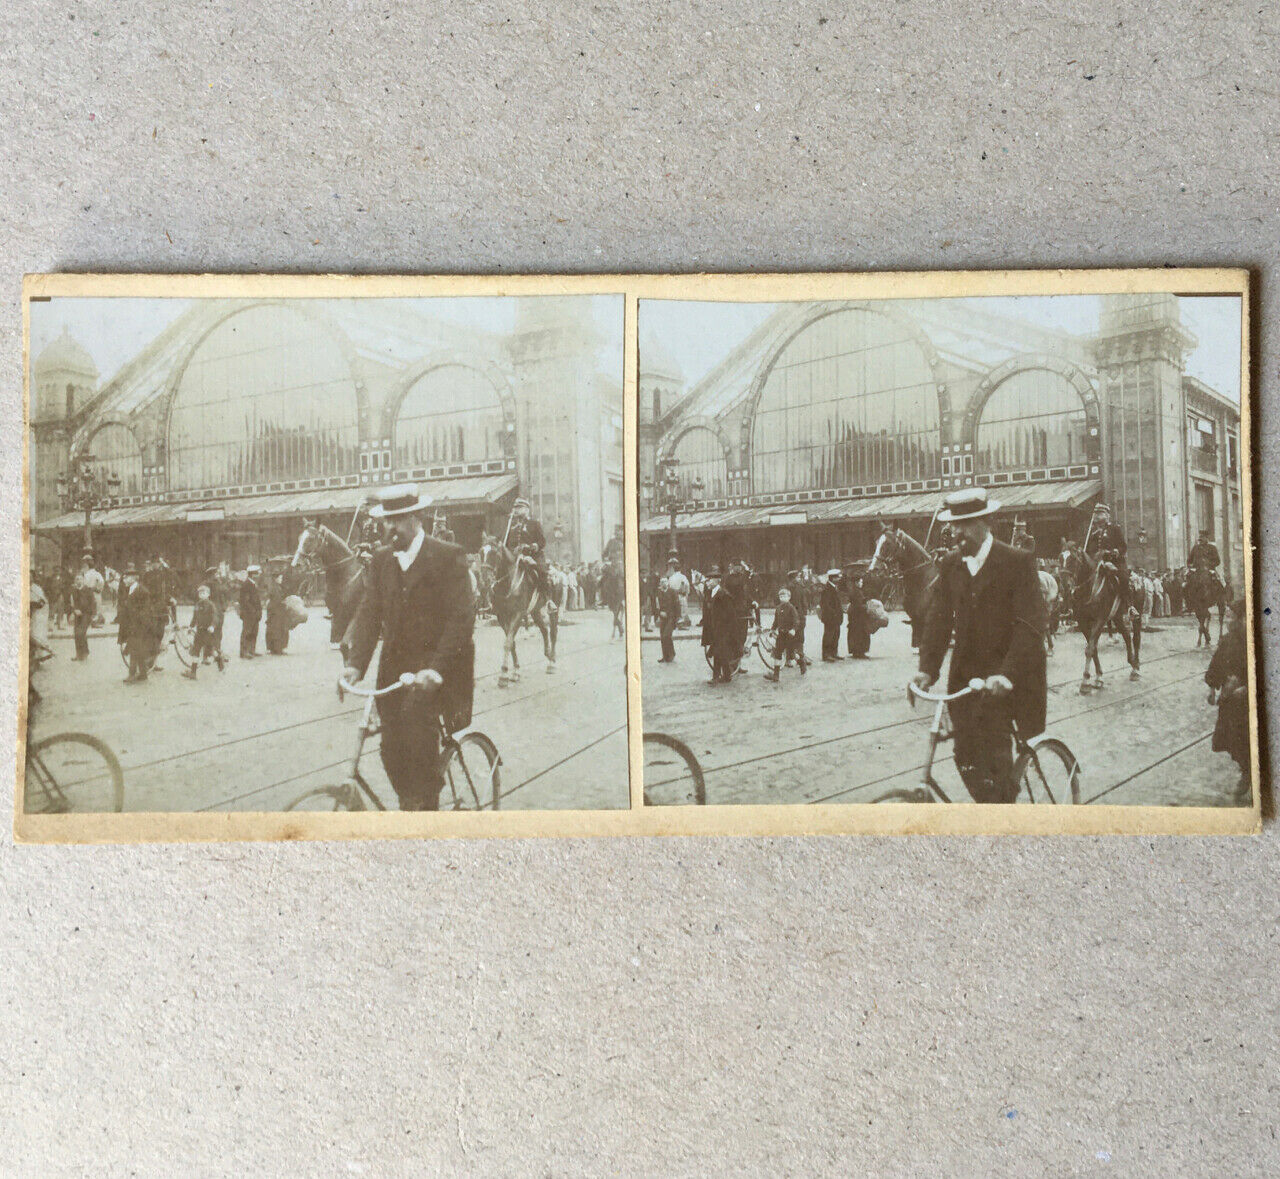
(982, 634)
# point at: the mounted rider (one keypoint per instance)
(1105, 542)
(1205, 558)
(1022, 537)
(528, 542)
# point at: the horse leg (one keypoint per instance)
(1133, 643)
(1090, 652)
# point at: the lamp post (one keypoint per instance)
(84, 489)
(669, 483)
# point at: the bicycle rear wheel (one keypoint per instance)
(327, 798)
(472, 775)
(72, 773)
(766, 646)
(672, 775)
(182, 638)
(1048, 772)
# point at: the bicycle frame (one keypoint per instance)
(355, 780)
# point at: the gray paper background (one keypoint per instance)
(690, 1007)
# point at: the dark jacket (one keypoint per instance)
(1229, 673)
(998, 621)
(1107, 538)
(526, 532)
(1204, 555)
(720, 625)
(204, 615)
(425, 617)
(669, 607)
(137, 613)
(829, 609)
(250, 601)
(786, 620)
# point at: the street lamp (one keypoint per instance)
(84, 489)
(669, 482)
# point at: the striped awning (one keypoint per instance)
(1024, 496)
(467, 491)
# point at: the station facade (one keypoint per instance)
(242, 417)
(833, 416)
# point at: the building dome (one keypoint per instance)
(67, 356)
(656, 361)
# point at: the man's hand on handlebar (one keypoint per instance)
(923, 680)
(997, 685)
(428, 680)
(350, 676)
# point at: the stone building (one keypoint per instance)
(832, 416)
(243, 416)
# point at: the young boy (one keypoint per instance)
(203, 620)
(786, 625)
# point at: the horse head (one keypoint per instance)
(888, 546)
(309, 542)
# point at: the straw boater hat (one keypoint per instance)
(970, 504)
(520, 503)
(833, 574)
(714, 571)
(399, 500)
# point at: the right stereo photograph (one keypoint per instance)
(987, 549)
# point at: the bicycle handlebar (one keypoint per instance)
(406, 680)
(973, 687)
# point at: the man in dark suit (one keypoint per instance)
(987, 596)
(419, 602)
(830, 615)
(250, 612)
(668, 616)
(720, 628)
(137, 627)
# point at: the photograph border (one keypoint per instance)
(733, 819)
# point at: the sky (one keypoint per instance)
(115, 330)
(698, 335)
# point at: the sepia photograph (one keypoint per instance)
(932, 550)
(325, 554)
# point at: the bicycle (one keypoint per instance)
(472, 765)
(68, 772)
(1043, 762)
(760, 639)
(672, 775)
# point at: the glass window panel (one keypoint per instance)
(851, 399)
(255, 387)
(701, 456)
(1034, 418)
(451, 414)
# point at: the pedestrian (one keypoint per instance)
(719, 628)
(93, 582)
(137, 633)
(277, 616)
(1228, 676)
(680, 583)
(418, 601)
(987, 596)
(858, 630)
(668, 616)
(800, 600)
(204, 623)
(829, 614)
(786, 628)
(83, 608)
(250, 613)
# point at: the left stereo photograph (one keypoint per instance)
(293, 554)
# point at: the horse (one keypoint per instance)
(1202, 592)
(344, 577)
(1098, 604)
(1052, 596)
(516, 598)
(917, 570)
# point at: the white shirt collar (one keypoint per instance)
(977, 561)
(406, 557)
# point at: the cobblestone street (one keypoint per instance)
(845, 733)
(257, 735)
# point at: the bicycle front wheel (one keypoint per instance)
(1048, 772)
(72, 773)
(327, 798)
(672, 775)
(472, 775)
(918, 794)
(183, 638)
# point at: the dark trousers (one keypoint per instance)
(411, 748)
(139, 663)
(82, 639)
(248, 637)
(666, 629)
(789, 645)
(984, 749)
(831, 639)
(203, 644)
